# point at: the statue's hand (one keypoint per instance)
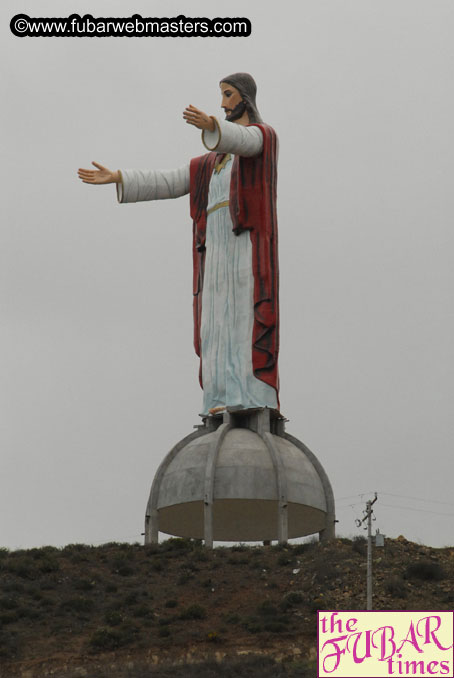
(199, 119)
(100, 176)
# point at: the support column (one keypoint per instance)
(263, 429)
(151, 513)
(210, 470)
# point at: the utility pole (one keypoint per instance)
(368, 517)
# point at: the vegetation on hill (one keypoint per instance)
(80, 609)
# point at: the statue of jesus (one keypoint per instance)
(232, 191)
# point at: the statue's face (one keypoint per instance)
(232, 102)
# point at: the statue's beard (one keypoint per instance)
(236, 113)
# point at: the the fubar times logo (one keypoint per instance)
(357, 644)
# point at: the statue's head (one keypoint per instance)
(240, 89)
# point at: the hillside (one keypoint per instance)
(118, 609)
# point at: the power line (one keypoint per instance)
(353, 496)
(356, 503)
(398, 496)
(409, 508)
(428, 501)
(397, 506)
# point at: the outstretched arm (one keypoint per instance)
(137, 185)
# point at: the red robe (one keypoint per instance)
(252, 205)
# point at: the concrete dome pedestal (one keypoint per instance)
(240, 477)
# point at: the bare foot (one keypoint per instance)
(215, 410)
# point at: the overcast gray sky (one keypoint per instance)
(99, 378)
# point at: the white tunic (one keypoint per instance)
(228, 288)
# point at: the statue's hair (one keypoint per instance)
(245, 84)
